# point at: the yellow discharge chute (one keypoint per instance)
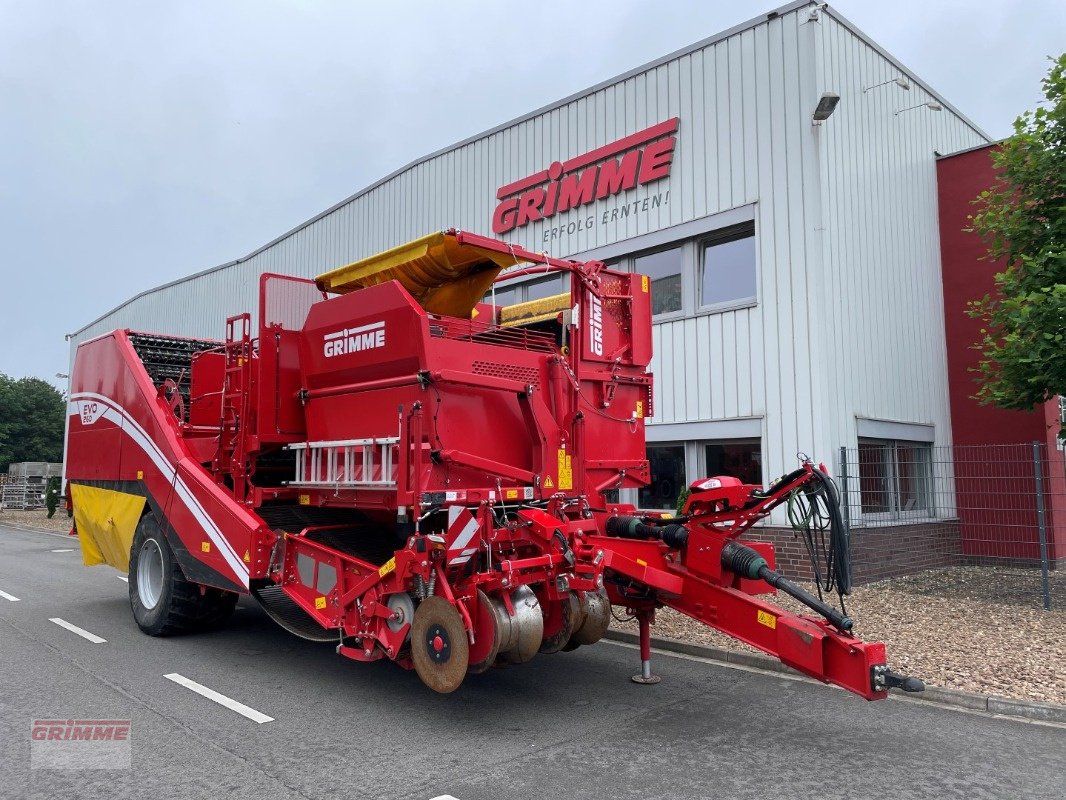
(444, 276)
(106, 521)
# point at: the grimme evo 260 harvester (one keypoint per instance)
(415, 474)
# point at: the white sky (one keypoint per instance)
(142, 141)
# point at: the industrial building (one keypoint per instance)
(777, 182)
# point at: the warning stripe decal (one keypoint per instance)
(462, 527)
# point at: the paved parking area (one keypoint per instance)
(252, 712)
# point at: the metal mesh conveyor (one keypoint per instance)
(361, 540)
(283, 610)
(169, 357)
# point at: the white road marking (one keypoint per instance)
(92, 637)
(7, 596)
(221, 699)
(123, 578)
(63, 551)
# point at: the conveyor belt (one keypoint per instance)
(362, 540)
(169, 357)
(283, 610)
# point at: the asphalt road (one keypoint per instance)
(565, 726)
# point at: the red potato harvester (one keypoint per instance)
(397, 467)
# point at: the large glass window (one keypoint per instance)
(667, 477)
(664, 269)
(738, 458)
(546, 287)
(555, 283)
(728, 273)
(895, 477)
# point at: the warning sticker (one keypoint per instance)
(205, 547)
(511, 494)
(548, 483)
(566, 473)
(247, 557)
(320, 603)
(769, 620)
(644, 283)
(640, 409)
(387, 567)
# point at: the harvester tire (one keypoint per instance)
(163, 601)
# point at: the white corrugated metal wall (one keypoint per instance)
(845, 219)
(886, 353)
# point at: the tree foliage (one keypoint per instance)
(31, 421)
(1023, 220)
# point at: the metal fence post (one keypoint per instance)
(844, 485)
(1041, 523)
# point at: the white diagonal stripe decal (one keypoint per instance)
(121, 418)
(464, 537)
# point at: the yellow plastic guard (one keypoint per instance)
(534, 310)
(106, 521)
(444, 276)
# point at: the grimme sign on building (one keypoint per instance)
(635, 160)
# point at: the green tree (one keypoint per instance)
(1023, 219)
(31, 421)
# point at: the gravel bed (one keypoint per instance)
(977, 629)
(37, 518)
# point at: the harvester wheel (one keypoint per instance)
(163, 601)
(439, 647)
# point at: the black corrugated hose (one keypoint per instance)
(814, 513)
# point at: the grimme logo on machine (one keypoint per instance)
(352, 340)
(596, 324)
(585, 179)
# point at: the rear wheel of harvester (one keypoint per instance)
(163, 601)
(439, 646)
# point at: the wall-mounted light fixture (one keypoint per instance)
(827, 104)
(901, 82)
(932, 105)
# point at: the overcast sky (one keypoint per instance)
(142, 141)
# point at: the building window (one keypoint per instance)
(738, 458)
(545, 287)
(503, 296)
(895, 477)
(521, 292)
(667, 477)
(664, 268)
(728, 269)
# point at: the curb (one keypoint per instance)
(16, 526)
(1002, 706)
